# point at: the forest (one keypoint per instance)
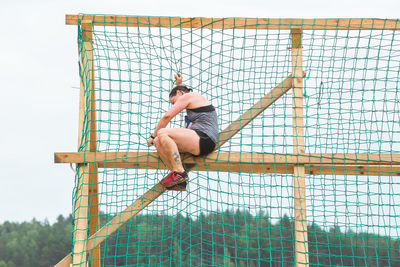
(229, 238)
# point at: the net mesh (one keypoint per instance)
(229, 218)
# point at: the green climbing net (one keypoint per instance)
(226, 218)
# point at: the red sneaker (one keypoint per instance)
(174, 178)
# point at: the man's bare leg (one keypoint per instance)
(161, 153)
(186, 140)
(166, 160)
(164, 157)
(169, 142)
(168, 151)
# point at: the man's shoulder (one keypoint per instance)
(197, 100)
(195, 95)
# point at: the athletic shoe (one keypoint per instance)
(178, 187)
(174, 178)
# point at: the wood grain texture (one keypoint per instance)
(153, 160)
(237, 23)
(299, 181)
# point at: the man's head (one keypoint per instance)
(178, 90)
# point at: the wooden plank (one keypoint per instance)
(94, 211)
(81, 218)
(65, 262)
(82, 203)
(359, 170)
(297, 103)
(94, 255)
(323, 164)
(353, 170)
(247, 163)
(300, 217)
(237, 23)
(141, 159)
(299, 183)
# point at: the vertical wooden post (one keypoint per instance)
(299, 191)
(81, 203)
(87, 28)
(80, 217)
(87, 193)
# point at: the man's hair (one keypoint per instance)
(181, 88)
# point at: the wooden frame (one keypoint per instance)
(233, 158)
(299, 164)
(151, 195)
(299, 183)
(241, 23)
(93, 167)
(315, 164)
(82, 195)
(87, 212)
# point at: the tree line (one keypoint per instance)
(229, 238)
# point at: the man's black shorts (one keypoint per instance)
(206, 144)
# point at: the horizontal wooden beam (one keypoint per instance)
(339, 164)
(237, 23)
(152, 158)
(360, 170)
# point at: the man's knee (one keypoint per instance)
(156, 142)
(162, 134)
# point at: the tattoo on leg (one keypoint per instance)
(177, 158)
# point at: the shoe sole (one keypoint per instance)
(169, 185)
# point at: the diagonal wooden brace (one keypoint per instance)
(115, 223)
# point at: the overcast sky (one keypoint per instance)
(39, 81)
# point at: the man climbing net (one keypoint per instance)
(199, 138)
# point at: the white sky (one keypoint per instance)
(39, 77)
